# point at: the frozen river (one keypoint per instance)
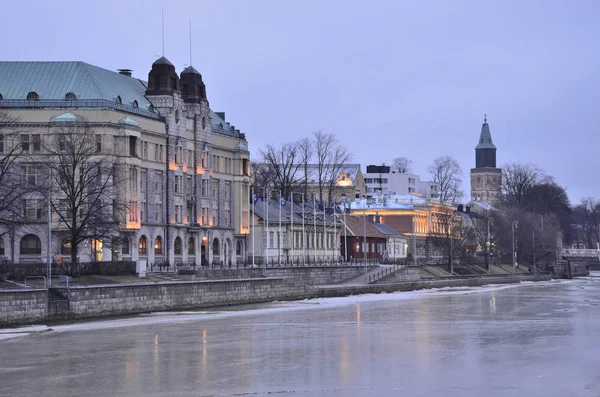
(537, 339)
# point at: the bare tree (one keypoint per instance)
(12, 190)
(84, 182)
(449, 238)
(306, 154)
(331, 158)
(285, 165)
(518, 178)
(402, 165)
(446, 172)
(586, 219)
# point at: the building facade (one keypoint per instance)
(185, 169)
(381, 180)
(486, 178)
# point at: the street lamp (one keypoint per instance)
(345, 232)
(489, 244)
(365, 246)
(514, 254)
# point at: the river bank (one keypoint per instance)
(40, 305)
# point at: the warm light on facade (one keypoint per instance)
(199, 170)
(172, 165)
(184, 168)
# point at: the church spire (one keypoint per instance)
(485, 151)
(485, 138)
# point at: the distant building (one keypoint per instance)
(349, 182)
(381, 180)
(486, 178)
(414, 216)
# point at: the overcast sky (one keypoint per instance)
(389, 78)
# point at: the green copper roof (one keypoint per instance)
(129, 121)
(485, 139)
(65, 118)
(53, 80)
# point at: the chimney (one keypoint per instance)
(125, 72)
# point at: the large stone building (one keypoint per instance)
(187, 169)
(486, 178)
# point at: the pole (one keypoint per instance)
(266, 204)
(292, 235)
(315, 230)
(488, 244)
(533, 262)
(365, 246)
(514, 255)
(345, 235)
(303, 234)
(279, 235)
(335, 243)
(49, 264)
(253, 253)
(325, 239)
(451, 246)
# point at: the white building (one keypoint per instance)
(381, 180)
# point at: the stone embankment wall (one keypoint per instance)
(409, 273)
(318, 275)
(26, 307)
(23, 306)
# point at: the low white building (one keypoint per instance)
(381, 180)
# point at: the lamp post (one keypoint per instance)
(365, 246)
(514, 254)
(345, 232)
(490, 221)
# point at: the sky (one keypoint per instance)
(388, 77)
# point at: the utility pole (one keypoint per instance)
(365, 246)
(514, 254)
(489, 244)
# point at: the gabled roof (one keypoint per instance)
(388, 231)
(356, 226)
(291, 212)
(53, 80)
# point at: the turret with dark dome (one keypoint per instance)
(162, 79)
(193, 89)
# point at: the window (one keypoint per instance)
(158, 182)
(191, 246)
(35, 139)
(32, 210)
(30, 174)
(158, 246)
(238, 248)
(119, 100)
(143, 246)
(145, 151)
(271, 241)
(178, 155)
(216, 247)
(1, 242)
(155, 152)
(226, 191)
(70, 96)
(190, 159)
(98, 143)
(133, 211)
(203, 123)
(66, 247)
(135, 104)
(33, 96)
(178, 186)
(143, 176)
(160, 153)
(205, 188)
(188, 185)
(178, 218)
(215, 189)
(178, 244)
(125, 246)
(25, 143)
(133, 179)
(30, 245)
(158, 212)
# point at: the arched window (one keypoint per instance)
(158, 246)
(203, 123)
(119, 100)
(1, 97)
(30, 245)
(191, 246)
(70, 96)
(178, 246)
(135, 104)
(151, 108)
(66, 246)
(220, 126)
(177, 116)
(143, 246)
(125, 246)
(238, 248)
(33, 96)
(215, 247)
